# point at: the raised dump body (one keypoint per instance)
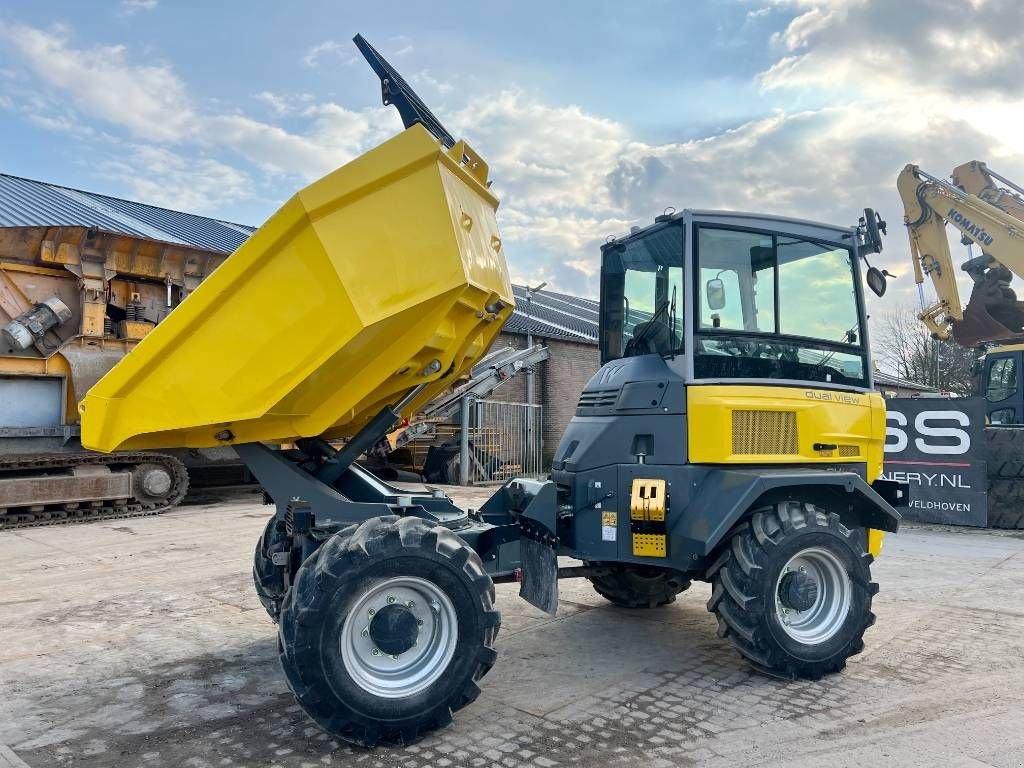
(385, 276)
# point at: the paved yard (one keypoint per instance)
(141, 643)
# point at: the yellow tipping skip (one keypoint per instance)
(384, 275)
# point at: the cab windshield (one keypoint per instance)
(642, 295)
(776, 306)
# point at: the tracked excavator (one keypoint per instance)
(988, 211)
(73, 301)
(732, 434)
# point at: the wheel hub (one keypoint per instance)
(399, 637)
(798, 591)
(394, 629)
(813, 596)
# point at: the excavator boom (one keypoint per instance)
(993, 312)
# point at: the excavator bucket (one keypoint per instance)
(383, 282)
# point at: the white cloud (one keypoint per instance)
(149, 100)
(322, 50)
(161, 177)
(279, 104)
(131, 7)
(920, 47)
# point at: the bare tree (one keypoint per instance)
(903, 345)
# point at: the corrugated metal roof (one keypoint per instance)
(30, 203)
(554, 315)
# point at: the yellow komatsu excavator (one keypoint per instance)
(988, 211)
(987, 216)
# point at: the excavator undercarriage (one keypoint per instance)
(85, 486)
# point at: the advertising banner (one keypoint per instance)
(938, 447)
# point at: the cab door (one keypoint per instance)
(1002, 389)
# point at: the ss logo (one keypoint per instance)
(929, 424)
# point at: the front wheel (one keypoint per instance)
(387, 630)
(792, 591)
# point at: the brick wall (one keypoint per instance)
(557, 383)
(564, 375)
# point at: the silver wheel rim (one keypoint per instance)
(408, 673)
(824, 618)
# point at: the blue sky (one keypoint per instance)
(593, 115)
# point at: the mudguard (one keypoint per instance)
(725, 495)
(534, 506)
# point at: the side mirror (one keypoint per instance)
(876, 281)
(715, 292)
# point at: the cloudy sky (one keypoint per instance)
(594, 115)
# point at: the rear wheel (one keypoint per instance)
(637, 586)
(1006, 503)
(387, 630)
(792, 591)
(1004, 456)
(269, 579)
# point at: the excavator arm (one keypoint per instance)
(977, 179)
(993, 312)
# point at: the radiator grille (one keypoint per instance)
(764, 432)
(847, 451)
(599, 398)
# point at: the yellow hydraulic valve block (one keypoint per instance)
(385, 276)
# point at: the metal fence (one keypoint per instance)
(505, 441)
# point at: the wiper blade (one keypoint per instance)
(394, 90)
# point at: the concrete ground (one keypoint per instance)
(140, 643)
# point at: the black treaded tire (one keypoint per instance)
(1006, 503)
(334, 578)
(269, 580)
(1004, 456)
(747, 569)
(637, 586)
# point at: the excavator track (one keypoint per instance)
(63, 513)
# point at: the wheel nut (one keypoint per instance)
(371, 611)
(410, 604)
(803, 569)
(365, 633)
(376, 652)
(394, 656)
(419, 622)
(390, 599)
(435, 606)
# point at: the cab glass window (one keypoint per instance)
(817, 293)
(773, 306)
(642, 295)
(1002, 379)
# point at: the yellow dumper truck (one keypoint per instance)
(732, 434)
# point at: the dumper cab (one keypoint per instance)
(736, 369)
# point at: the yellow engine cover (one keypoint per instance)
(739, 424)
(386, 274)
